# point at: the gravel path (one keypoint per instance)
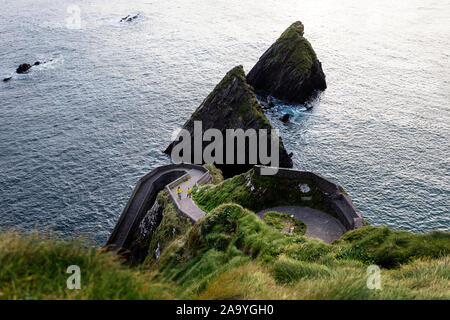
(319, 225)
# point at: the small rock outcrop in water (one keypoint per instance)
(129, 18)
(24, 67)
(285, 118)
(289, 69)
(232, 105)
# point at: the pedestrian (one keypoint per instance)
(189, 193)
(179, 191)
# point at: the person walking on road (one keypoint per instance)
(179, 191)
(189, 193)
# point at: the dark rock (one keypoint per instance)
(285, 118)
(37, 63)
(289, 69)
(139, 247)
(270, 101)
(124, 19)
(23, 68)
(232, 105)
(7, 79)
(129, 18)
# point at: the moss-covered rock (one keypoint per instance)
(256, 192)
(215, 173)
(232, 105)
(289, 69)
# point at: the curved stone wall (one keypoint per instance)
(343, 206)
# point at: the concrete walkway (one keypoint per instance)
(143, 197)
(187, 204)
(319, 224)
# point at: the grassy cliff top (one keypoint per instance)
(232, 254)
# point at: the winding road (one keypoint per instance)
(318, 224)
(143, 197)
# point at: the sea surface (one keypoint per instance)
(77, 132)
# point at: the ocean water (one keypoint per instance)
(77, 133)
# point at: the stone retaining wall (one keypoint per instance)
(343, 206)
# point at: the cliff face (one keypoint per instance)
(232, 105)
(289, 69)
(160, 226)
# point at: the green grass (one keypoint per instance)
(256, 193)
(390, 248)
(172, 226)
(215, 173)
(282, 221)
(34, 267)
(232, 254)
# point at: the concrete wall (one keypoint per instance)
(343, 206)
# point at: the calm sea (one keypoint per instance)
(77, 132)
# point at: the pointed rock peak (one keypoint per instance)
(232, 100)
(297, 27)
(289, 69)
(231, 105)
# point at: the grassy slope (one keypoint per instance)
(172, 226)
(232, 254)
(34, 267)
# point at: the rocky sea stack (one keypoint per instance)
(289, 69)
(232, 105)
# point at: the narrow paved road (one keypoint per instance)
(143, 197)
(187, 204)
(319, 224)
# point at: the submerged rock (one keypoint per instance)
(23, 68)
(232, 105)
(285, 118)
(289, 69)
(7, 79)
